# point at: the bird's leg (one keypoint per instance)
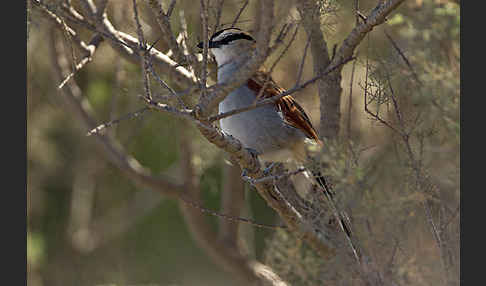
(244, 173)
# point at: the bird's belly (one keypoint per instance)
(262, 129)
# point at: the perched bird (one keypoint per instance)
(276, 132)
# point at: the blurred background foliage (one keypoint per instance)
(90, 225)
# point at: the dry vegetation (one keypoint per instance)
(150, 198)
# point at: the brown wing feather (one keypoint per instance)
(292, 112)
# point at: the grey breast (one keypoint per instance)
(262, 129)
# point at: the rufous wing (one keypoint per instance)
(292, 112)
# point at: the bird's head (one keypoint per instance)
(229, 43)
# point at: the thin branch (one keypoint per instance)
(144, 53)
(366, 93)
(302, 62)
(219, 12)
(231, 218)
(404, 58)
(164, 84)
(239, 13)
(103, 126)
(163, 19)
(267, 80)
(181, 113)
(284, 31)
(376, 17)
(275, 178)
(86, 49)
(60, 23)
(171, 7)
(356, 10)
(204, 22)
(90, 49)
(451, 218)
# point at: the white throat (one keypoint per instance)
(228, 61)
(222, 57)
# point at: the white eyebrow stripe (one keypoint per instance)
(221, 36)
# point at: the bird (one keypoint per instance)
(278, 132)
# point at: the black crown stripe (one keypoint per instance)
(226, 40)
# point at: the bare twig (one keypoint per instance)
(366, 93)
(302, 62)
(86, 49)
(267, 80)
(90, 48)
(171, 7)
(376, 17)
(204, 21)
(219, 12)
(103, 126)
(231, 218)
(143, 56)
(164, 84)
(404, 58)
(275, 178)
(239, 13)
(356, 10)
(286, 28)
(163, 19)
(451, 218)
(182, 113)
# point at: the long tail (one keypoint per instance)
(341, 216)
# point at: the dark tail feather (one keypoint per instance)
(329, 193)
